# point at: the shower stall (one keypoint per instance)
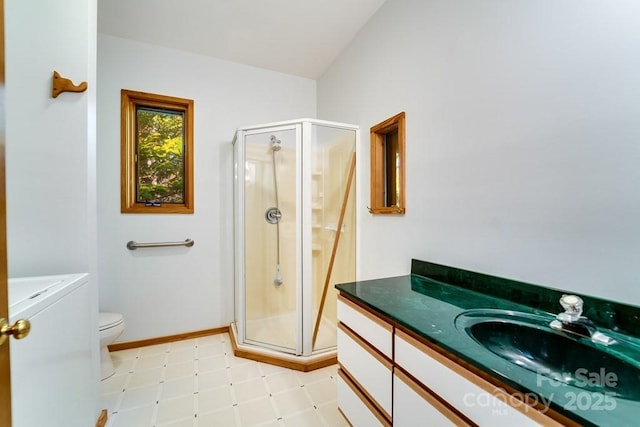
(294, 236)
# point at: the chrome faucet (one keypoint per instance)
(573, 322)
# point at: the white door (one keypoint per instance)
(47, 146)
(5, 367)
(44, 206)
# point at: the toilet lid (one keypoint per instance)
(109, 320)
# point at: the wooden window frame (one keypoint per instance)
(378, 135)
(130, 101)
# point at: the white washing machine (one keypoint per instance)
(52, 378)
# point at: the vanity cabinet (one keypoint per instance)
(365, 344)
(355, 406)
(388, 376)
(471, 396)
(412, 402)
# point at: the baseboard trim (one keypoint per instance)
(102, 419)
(170, 338)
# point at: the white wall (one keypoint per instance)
(50, 154)
(523, 130)
(47, 193)
(166, 291)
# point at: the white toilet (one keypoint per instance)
(111, 326)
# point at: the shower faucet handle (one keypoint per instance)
(273, 215)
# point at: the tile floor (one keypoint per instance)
(200, 383)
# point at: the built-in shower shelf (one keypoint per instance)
(334, 227)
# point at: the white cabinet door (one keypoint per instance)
(355, 406)
(51, 369)
(372, 329)
(365, 351)
(369, 369)
(414, 406)
(460, 388)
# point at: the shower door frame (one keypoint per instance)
(304, 235)
(239, 234)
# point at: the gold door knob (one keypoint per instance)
(19, 330)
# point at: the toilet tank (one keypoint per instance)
(52, 378)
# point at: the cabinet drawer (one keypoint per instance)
(373, 329)
(371, 371)
(355, 406)
(411, 402)
(476, 398)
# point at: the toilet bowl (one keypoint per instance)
(111, 326)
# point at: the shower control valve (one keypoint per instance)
(273, 215)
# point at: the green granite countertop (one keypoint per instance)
(429, 308)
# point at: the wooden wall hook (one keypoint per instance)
(63, 84)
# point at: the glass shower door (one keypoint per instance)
(333, 231)
(271, 234)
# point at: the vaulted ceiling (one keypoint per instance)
(299, 37)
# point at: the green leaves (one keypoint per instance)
(160, 166)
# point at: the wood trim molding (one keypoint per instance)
(380, 171)
(385, 420)
(166, 339)
(431, 398)
(129, 100)
(366, 346)
(344, 416)
(368, 314)
(548, 418)
(5, 366)
(102, 419)
(330, 358)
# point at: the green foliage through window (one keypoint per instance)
(156, 154)
(160, 166)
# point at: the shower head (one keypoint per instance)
(276, 144)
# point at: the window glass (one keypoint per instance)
(160, 174)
